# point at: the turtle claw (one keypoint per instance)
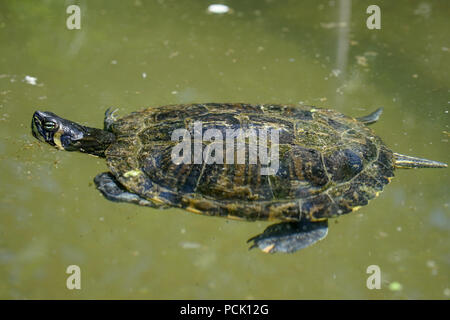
(266, 249)
(254, 244)
(289, 237)
(110, 112)
(110, 118)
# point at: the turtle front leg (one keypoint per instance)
(112, 190)
(289, 237)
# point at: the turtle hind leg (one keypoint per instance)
(371, 118)
(109, 119)
(112, 190)
(289, 237)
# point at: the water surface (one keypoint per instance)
(135, 54)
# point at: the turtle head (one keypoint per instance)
(58, 132)
(70, 136)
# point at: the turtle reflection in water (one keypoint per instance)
(329, 165)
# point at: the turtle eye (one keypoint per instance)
(49, 125)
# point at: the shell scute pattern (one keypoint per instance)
(329, 164)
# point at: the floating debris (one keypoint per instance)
(335, 72)
(447, 292)
(383, 234)
(433, 267)
(190, 245)
(371, 53)
(431, 264)
(424, 10)
(218, 9)
(173, 54)
(135, 253)
(332, 25)
(31, 80)
(362, 61)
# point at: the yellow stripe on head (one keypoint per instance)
(57, 140)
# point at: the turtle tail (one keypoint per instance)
(407, 162)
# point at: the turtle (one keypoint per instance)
(329, 164)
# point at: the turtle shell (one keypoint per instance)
(329, 164)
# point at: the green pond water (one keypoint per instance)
(136, 54)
